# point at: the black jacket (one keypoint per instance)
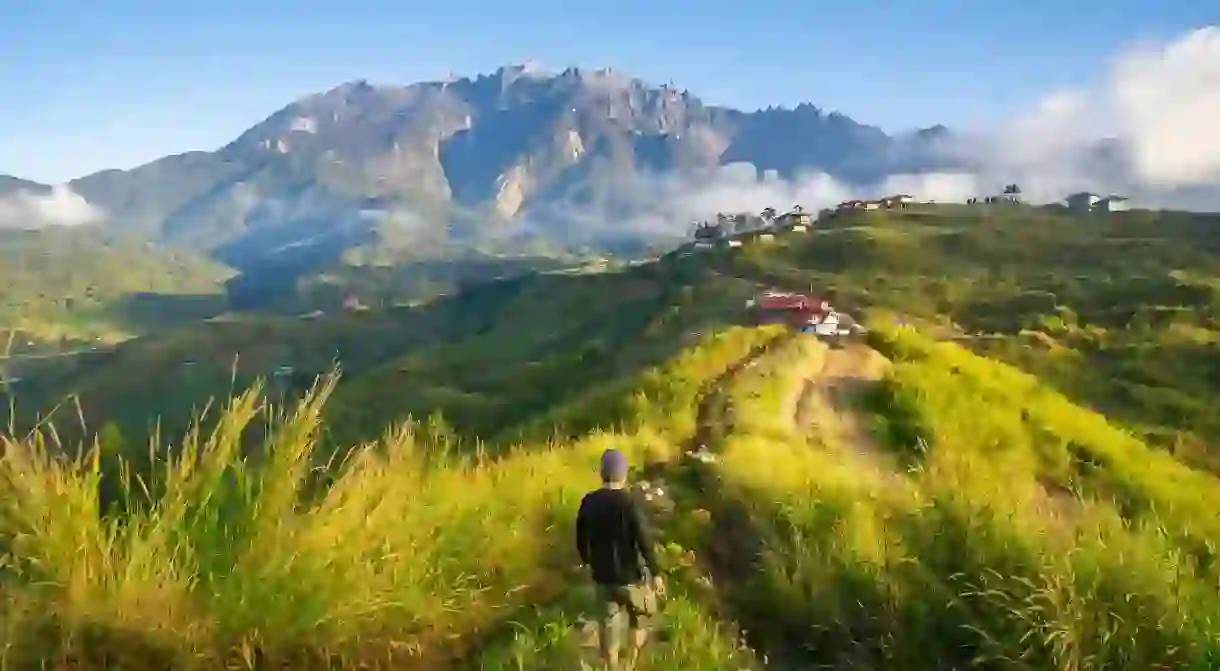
(612, 537)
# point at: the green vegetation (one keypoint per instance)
(412, 548)
(67, 284)
(376, 276)
(997, 526)
(487, 361)
(930, 499)
(1119, 311)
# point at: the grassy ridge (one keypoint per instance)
(555, 341)
(409, 552)
(958, 561)
(1118, 311)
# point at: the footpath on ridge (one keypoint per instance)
(673, 479)
(817, 399)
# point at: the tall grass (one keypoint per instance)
(1001, 527)
(958, 562)
(411, 552)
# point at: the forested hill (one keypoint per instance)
(76, 283)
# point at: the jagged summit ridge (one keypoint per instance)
(519, 148)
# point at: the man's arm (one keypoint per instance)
(643, 538)
(582, 533)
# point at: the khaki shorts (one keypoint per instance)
(637, 602)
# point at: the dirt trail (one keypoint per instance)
(712, 402)
(823, 398)
(708, 426)
(826, 402)
(822, 402)
(735, 547)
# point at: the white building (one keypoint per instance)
(899, 201)
(1091, 202)
(1083, 201)
(823, 325)
(828, 325)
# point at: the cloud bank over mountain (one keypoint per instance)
(583, 154)
(59, 206)
(1149, 130)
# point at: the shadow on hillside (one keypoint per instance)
(146, 312)
(327, 271)
(493, 357)
(539, 343)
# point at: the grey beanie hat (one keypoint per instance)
(613, 466)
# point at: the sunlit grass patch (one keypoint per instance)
(413, 548)
(951, 564)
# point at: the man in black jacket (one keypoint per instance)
(612, 537)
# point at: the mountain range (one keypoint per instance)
(490, 162)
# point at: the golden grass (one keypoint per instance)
(410, 551)
(952, 564)
(941, 554)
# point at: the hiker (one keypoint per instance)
(612, 537)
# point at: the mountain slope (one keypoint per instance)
(10, 185)
(489, 358)
(518, 163)
(490, 156)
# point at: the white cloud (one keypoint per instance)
(1150, 129)
(667, 203)
(1168, 103)
(60, 207)
(936, 186)
(740, 188)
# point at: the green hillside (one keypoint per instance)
(69, 284)
(62, 287)
(992, 480)
(381, 268)
(1118, 311)
(486, 359)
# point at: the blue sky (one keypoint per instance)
(115, 83)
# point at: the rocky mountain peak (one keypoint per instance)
(475, 154)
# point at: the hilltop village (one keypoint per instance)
(732, 228)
